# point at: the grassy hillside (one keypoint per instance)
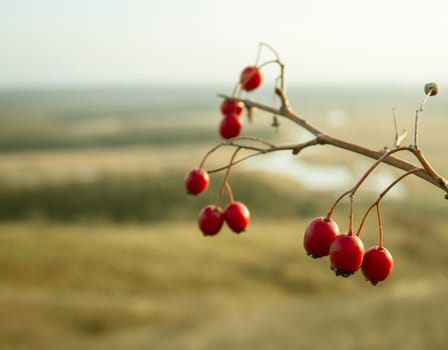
(164, 286)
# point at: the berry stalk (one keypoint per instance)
(381, 196)
(226, 177)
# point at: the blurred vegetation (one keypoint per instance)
(99, 245)
(67, 140)
(163, 197)
(164, 286)
(150, 198)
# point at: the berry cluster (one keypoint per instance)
(346, 251)
(322, 236)
(231, 123)
(236, 215)
(212, 218)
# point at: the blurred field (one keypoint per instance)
(99, 245)
(163, 286)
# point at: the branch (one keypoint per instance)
(427, 173)
(258, 150)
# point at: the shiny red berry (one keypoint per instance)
(196, 181)
(346, 254)
(319, 234)
(230, 126)
(211, 219)
(377, 264)
(232, 107)
(251, 78)
(237, 216)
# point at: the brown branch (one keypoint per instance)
(427, 173)
(258, 150)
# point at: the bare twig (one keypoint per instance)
(418, 112)
(399, 138)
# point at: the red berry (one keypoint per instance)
(346, 254)
(237, 216)
(251, 78)
(232, 107)
(377, 264)
(230, 126)
(196, 181)
(211, 219)
(319, 234)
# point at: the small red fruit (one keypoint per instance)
(230, 126)
(346, 254)
(196, 181)
(237, 216)
(211, 219)
(232, 107)
(251, 78)
(319, 234)
(377, 264)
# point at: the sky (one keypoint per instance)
(151, 42)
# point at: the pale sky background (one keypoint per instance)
(76, 42)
